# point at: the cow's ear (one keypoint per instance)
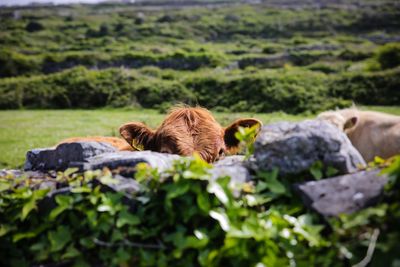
(350, 123)
(231, 141)
(138, 135)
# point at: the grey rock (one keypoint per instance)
(295, 147)
(59, 158)
(10, 173)
(234, 167)
(37, 179)
(230, 160)
(343, 194)
(127, 159)
(238, 173)
(127, 186)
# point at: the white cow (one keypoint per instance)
(371, 133)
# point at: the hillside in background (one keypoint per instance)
(293, 56)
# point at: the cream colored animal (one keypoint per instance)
(371, 133)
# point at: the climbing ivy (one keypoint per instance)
(183, 217)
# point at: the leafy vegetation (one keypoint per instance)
(82, 88)
(388, 56)
(204, 222)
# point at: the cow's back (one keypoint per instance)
(116, 142)
(376, 134)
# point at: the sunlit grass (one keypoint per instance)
(22, 130)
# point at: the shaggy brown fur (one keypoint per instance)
(186, 130)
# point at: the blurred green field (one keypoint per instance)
(296, 58)
(21, 130)
(26, 129)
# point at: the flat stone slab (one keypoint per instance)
(230, 160)
(127, 159)
(295, 147)
(238, 174)
(97, 155)
(91, 156)
(343, 194)
(10, 172)
(59, 158)
(233, 166)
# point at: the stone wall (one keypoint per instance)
(293, 148)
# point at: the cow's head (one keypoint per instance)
(185, 131)
(345, 120)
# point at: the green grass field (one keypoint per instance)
(21, 130)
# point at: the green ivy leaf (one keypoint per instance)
(68, 172)
(57, 211)
(126, 218)
(4, 229)
(174, 191)
(216, 189)
(82, 189)
(31, 204)
(30, 234)
(70, 253)
(194, 242)
(64, 202)
(108, 180)
(331, 171)
(316, 170)
(203, 201)
(19, 236)
(270, 181)
(111, 203)
(246, 137)
(59, 238)
(122, 256)
(105, 207)
(87, 242)
(4, 186)
(27, 208)
(222, 218)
